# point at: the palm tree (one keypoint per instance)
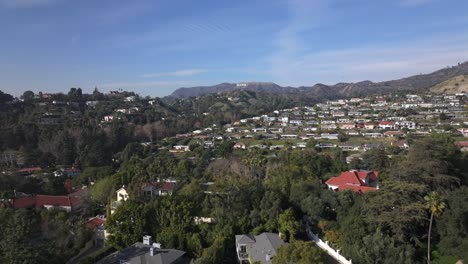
(435, 204)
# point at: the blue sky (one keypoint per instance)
(154, 47)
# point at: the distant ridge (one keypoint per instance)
(422, 82)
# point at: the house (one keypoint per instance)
(463, 145)
(180, 148)
(301, 145)
(403, 144)
(258, 249)
(355, 180)
(387, 125)
(67, 172)
(350, 147)
(325, 145)
(370, 126)
(394, 134)
(166, 187)
(239, 145)
(146, 253)
(348, 126)
(407, 124)
(259, 130)
(329, 136)
(463, 131)
(159, 188)
(108, 118)
(67, 203)
(122, 195)
(97, 224)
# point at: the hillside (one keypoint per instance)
(226, 87)
(454, 85)
(414, 83)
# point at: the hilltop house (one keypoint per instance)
(358, 181)
(261, 248)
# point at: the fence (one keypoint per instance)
(324, 245)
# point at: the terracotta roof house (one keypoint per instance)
(356, 180)
(68, 203)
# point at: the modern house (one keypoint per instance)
(261, 248)
(355, 180)
(146, 253)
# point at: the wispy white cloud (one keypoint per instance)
(415, 2)
(26, 3)
(179, 73)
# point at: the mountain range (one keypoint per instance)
(416, 83)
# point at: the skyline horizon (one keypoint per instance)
(90, 89)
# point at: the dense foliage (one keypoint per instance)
(244, 191)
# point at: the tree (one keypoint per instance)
(289, 226)
(435, 205)
(299, 252)
(4, 97)
(28, 95)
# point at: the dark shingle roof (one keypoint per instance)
(139, 253)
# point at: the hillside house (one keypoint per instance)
(146, 252)
(387, 125)
(49, 202)
(258, 249)
(122, 195)
(355, 180)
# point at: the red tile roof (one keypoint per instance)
(24, 202)
(95, 222)
(29, 170)
(354, 180)
(462, 144)
(45, 200)
(348, 177)
(168, 186)
(387, 123)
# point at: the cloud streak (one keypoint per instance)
(179, 73)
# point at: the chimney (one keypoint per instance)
(152, 251)
(147, 240)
